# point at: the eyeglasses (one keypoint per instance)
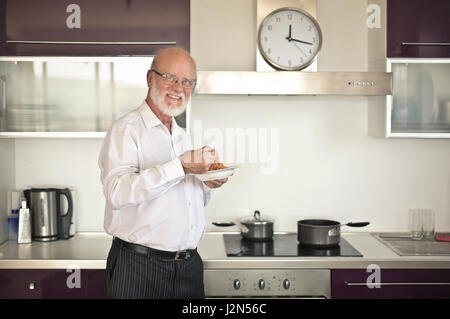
(173, 79)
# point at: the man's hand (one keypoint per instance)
(198, 161)
(216, 183)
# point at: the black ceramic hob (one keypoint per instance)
(283, 245)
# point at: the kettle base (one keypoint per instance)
(47, 238)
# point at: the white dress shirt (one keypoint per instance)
(149, 199)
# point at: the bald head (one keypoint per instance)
(168, 92)
(175, 58)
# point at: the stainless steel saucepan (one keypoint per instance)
(254, 227)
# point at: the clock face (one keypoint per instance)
(289, 39)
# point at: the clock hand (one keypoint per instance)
(300, 49)
(292, 39)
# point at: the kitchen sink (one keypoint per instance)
(403, 245)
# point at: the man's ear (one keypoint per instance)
(149, 78)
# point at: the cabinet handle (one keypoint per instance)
(94, 42)
(426, 43)
(399, 283)
(3, 79)
(32, 285)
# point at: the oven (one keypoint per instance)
(268, 283)
(240, 277)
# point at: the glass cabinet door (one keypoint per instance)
(420, 102)
(65, 94)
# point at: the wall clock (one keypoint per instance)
(289, 39)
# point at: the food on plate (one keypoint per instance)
(216, 166)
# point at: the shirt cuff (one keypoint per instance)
(173, 169)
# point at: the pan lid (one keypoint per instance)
(256, 219)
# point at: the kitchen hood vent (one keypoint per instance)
(294, 83)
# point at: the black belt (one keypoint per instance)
(143, 250)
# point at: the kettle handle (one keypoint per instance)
(66, 219)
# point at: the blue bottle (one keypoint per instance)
(13, 224)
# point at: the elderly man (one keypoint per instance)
(154, 210)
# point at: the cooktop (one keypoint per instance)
(283, 245)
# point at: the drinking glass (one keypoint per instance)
(428, 224)
(415, 224)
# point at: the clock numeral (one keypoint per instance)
(301, 19)
(269, 50)
(269, 27)
(310, 28)
(301, 60)
(314, 40)
(278, 59)
(289, 16)
(277, 19)
(310, 51)
(265, 39)
(289, 62)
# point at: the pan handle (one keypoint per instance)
(223, 224)
(361, 224)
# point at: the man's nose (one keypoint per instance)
(177, 86)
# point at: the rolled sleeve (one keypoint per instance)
(124, 184)
(173, 169)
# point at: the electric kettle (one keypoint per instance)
(48, 220)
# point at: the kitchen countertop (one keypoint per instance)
(90, 250)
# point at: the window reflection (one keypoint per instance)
(421, 99)
(66, 95)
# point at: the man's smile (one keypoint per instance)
(176, 97)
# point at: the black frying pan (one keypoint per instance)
(322, 232)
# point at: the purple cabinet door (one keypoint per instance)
(71, 28)
(395, 284)
(51, 283)
(95, 283)
(417, 28)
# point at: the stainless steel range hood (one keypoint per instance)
(266, 81)
(294, 83)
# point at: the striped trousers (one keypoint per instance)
(130, 275)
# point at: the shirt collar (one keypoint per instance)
(150, 118)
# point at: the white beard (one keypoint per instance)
(172, 109)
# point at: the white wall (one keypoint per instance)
(329, 166)
(65, 162)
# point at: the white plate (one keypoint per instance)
(217, 174)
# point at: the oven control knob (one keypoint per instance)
(261, 284)
(236, 284)
(286, 284)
